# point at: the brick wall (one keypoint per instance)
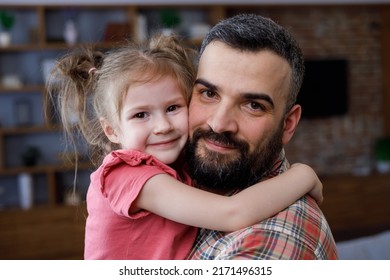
(343, 144)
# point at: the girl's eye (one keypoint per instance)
(141, 115)
(172, 108)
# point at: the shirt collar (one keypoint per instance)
(280, 165)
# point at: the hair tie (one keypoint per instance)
(90, 71)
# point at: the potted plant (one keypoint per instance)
(382, 153)
(7, 21)
(170, 19)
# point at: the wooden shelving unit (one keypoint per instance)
(38, 35)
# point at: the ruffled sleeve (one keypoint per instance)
(123, 175)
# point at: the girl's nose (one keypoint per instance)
(162, 125)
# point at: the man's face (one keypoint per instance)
(237, 125)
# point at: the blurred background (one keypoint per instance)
(344, 133)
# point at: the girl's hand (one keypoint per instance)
(317, 191)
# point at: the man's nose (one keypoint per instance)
(223, 119)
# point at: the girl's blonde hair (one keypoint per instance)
(91, 85)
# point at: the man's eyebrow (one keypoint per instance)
(262, 96)
(206, 84)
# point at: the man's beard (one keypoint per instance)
(220, 173)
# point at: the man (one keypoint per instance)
(242, 113)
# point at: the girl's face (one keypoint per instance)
(154, 120)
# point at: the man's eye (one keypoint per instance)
(208, 93)
(256, 106)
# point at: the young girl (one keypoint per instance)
(131, 105)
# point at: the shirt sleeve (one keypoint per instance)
(123, 177)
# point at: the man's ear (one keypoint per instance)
(109, 131)
(291, 122)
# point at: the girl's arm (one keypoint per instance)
(169, 198)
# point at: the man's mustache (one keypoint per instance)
(225, 138)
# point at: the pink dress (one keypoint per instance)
(111, 233)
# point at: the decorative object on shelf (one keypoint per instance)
(72, 197)
(198, 31)
(23, 112)
(25, 188)
(31, 155)
(11, 81)
(170, 19)
(47, 66)
(382, 153)
(70, 32)
(7, 21)
(142, 25)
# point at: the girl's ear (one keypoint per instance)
(291, 123)
(109, 131)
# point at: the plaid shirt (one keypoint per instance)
(298, 232)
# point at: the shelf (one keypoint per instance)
(50, 168)
(53, 46)
(20, 48)
(28, 130)
(33, 47)
(24, 89)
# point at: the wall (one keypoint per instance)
(343, 144)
